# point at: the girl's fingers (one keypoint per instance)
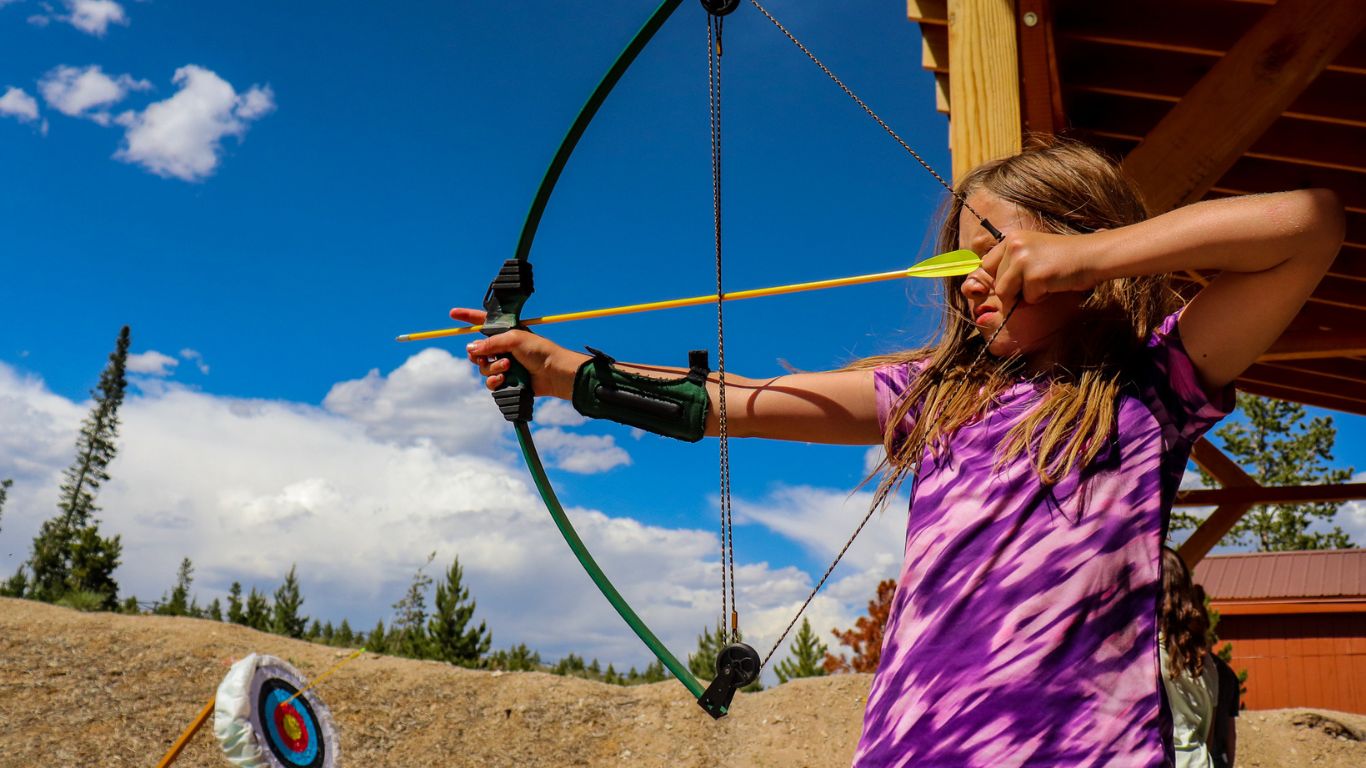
(467, 315)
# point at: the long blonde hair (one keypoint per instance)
(1067, 188)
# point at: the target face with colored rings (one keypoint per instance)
(291, 728)
(261, 722)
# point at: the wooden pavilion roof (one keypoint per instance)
(1202, 99)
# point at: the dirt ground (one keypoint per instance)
(107, 690)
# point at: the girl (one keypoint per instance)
(1188, 672)
(1023, 630)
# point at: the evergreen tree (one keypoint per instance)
(702, 662)
(451, 640)
(326, 633)
(808, 653)
(130, 606)
(1276, 446)
(178, 604)
(257, 615)
(377, 641)
(214, 611)
(4, 495)
(408, 632)
(16, 585)
(69, 555)
(235, 613)
(865, 639)
(286, 619)
(345, 637)
(518, 658)
(570, 666)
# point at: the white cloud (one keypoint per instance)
(196, 358)
(247, 488)
(433, 397)
(551, 412)
(152, 363)
(581, 454)
(93, 17)
(19, 105)
(182, 136)
(85, 91)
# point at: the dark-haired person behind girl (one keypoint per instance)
(1188, 671)
(1024, 626)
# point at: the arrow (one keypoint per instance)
(951, 264)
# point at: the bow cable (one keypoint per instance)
(729, 608)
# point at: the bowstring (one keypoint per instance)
(962, 200)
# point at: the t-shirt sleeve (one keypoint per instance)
(1175, 389)
(891, 382)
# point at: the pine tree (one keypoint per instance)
(571, 666)
(327, 633)
(16, 585)
(69, 555)
(377, 641)
(518, 658)
(4, 495)
(178, 604)
(286, 619)
(344, 637)
(214, 611)
(808, 653)
(1276, 446)
(865, 639)
(235, 613)
(130, 606)
(257, 615)
(451, 640)
(408, 632)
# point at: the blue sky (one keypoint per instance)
(268, 194)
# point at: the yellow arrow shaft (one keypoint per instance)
(958, 267)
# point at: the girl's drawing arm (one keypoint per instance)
(1271, 251)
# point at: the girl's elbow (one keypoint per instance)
(1329, 221)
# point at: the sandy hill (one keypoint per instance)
(99, 690)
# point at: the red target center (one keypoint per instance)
(289, 724)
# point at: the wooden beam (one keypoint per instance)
(1284, 494)
(1233, 105)
(1303, 345)
(984, 88)
(1225, 516)
(1040, 91)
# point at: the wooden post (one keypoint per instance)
(1239, 98)
(984, 82)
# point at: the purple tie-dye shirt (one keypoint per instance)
(1023, 631)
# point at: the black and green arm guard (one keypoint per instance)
(674, 408)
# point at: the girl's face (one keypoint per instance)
(1035, 331)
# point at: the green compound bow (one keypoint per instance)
(738, 664)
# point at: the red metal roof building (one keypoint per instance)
(1297, 623)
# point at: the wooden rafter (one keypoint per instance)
(1225, 516)
(1286, 494)
(1242, 95)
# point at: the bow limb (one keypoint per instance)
(524, 439)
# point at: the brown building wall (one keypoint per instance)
(1300, 660)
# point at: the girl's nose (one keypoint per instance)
(976, 285)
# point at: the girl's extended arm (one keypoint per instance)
(836, 407)
(1271, 250)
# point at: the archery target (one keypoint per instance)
(262, 724)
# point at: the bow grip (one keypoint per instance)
(503, 303)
